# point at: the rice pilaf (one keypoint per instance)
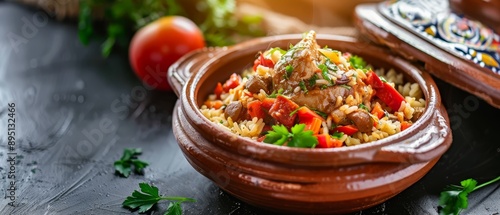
(334, 94)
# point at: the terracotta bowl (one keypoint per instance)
(319, 181)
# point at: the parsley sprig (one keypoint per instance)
(296, 138)
(453, 199)
(129, 159)
(149, 196)
(357, 62)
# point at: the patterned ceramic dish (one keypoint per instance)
(298, 180)
(453, 47)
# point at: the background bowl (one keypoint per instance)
(298, 180)
(487, 12)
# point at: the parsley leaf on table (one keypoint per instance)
(453, 199)
(149, 195)
(297, 138)
(174, 208)
(129, 159)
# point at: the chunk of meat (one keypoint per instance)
(256, 83)
(300, 61)
(362, 120)
(235, 110)
(323, 100)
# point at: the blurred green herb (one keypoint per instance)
(121, 18)
(149, 196)
(129, 159)
(454, 199)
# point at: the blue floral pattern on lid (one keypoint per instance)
(433, 21)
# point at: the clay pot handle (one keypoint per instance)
(425, 143)
(187, 65)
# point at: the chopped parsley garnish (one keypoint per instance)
(338, 135)
(357, 62)
(274, 94)
(363, 106)
(294, 111)
(303, 86)
(296, 138)
(322, 114)
(129, 159)
(324, 73)
(277, 49)
(324, 86)
(346, 86)
(386, 113)
(383, 79)
(289, 70)
(312, 80)
(149, 196)
(330, 65)
(289, 54)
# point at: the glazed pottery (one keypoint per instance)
(298, 180)
(455, 48)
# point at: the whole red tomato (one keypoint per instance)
(159, 44)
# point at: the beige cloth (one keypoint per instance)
(275, 23)
(325, 13)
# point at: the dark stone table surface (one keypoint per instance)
(75, 112)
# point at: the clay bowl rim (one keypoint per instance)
(362, 153)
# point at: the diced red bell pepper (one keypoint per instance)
(326, 141)
(281, 110)
(261, 138)
(267, 103)
(373, 80)
(261, 60)
(255, 109)
(405, 125)
(218, 90)
(266, 129)
(390, 96)
(311, 119)
(232, 82)
(385, 91)
(378, 111)
(249, 94)
(348, 130)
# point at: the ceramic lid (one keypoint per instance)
(453, 47)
